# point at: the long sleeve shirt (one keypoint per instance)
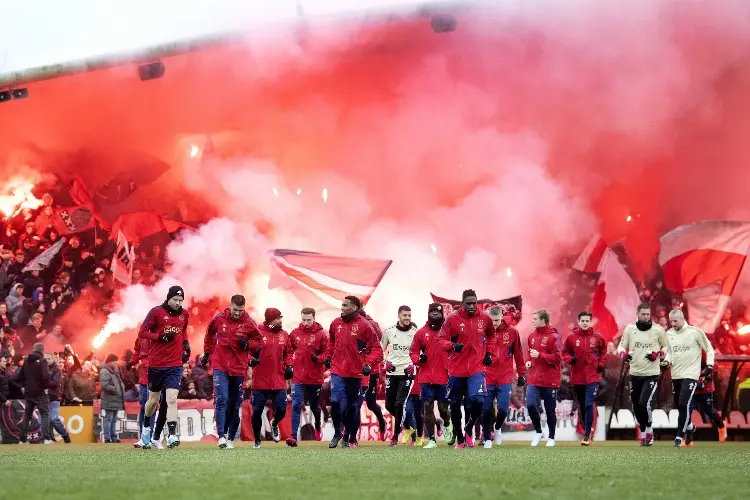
(688, 343)
(639, 344)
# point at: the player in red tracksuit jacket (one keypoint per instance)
(473, 337)
(353, 349)
(508, 350)
(270, 372)
(545, 357)
(308, 342)
(586, 352)
(368, 390)
(166, 328)
(703, 401)
(429, 351)
(230, 338)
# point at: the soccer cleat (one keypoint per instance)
(318, 435)
(431, 444)
(222, 442)
(230, 444)
(689, 435)
(146, 438)
(550, 443)
(448, 435)
(419, 441)
(677, 442)
(345, 444)
(585, 441)
(353, 444)
(47, 441)
(488, 444)
(469, 441)
(275, 432)
(291, 442)
(723, 434)
(460, 446)
(138, 444)
(256, 446)
(173, 442)
(335, 441)
(66, 439)
(393, 443)
(408, 433)
(498, 437)
(157, 444)
(537, 439)
(644, 442)
(649, 439)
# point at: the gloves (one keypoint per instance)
(327, 363)
(457, 346)
(253, 362)
(626, 357)
(361, 346)
(600, 369)
(521, 381)
(707, 372)
(409, 372)
(663, 365)
(244, 344)
(185, 351)
(289, 372)
(573, 361)
(654, 355)
(366, 370)
(166, 337)
(390, 367)
(314, 357)
(487, 361)
(203, 361)
(701, 383)
(422, 358)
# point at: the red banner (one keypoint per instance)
(71, 220)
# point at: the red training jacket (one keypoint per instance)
(590, 350)
(344, 339)
(275, 355)
(304, 343)
(157, 322)
(477, 334)
(545, 370)
(222, 342)
(508, 349)
(436, 347)
(140, 353)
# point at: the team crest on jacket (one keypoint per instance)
(480, 324)
(544, 341)
(592, 343)
(355, 328)
(506, 337)
(182, 317)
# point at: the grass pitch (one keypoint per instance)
(616, 470)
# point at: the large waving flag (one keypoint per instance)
(703, 261)
(43, 260)
(592, 256)
(317, 279)
(615, 299)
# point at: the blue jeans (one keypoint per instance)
(227, 400)
(54, 419)
(534, 397)
(109, 425)
(300, 393)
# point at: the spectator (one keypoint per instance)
(188, 391)
(34, 378)
(82, 385)
(54, 393)
(31, 283)
(14, 302)
(33, 332)
(15, 269)
(4, 379)
(113, 391)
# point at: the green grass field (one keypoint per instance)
(607, 470)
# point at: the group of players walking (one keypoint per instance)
(464, 364)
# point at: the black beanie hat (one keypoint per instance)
(435, 306)
(175, 291)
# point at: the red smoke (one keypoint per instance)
(506, 143)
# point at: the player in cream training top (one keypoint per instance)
(687, 344)
(645, 346)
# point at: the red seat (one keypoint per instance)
(736, 420)
(697, 419)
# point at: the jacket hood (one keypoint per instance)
(546, 330)
(580, 331)
(14, 290)
(315, 327)
(228, 314)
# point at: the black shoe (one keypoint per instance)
(116, 441)
(345, 444)
(107, 441)
(677, 442)
(66, 439)
(335, 441)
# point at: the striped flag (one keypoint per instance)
(42, 260)
(317, 279)
(123, 261)
(590, 259)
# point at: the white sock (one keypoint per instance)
(649, 430)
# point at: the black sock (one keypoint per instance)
(336, 417)
(501, 415)
(172, 426)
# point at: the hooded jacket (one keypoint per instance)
(590, 351)
(14, 303)
(508, 350)
(436, 347)
(545, 370)
(33, 376)
(304, 342)
(275, 356)
(223, 342)
(352, 343)
(477, 334)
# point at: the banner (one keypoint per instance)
(78, 420)
(71, 220)
(449, 306)
(42, 260)
(123, 261)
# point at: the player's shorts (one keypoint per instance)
(466, 387)
(434, 392)
(164, 378)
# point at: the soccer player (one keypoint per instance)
(508, 351)
(370, 394)
(271, 369)
(230, 338)
(644, 345)
(586, 352)
(353, 349)
(308, 343)
(473, 336)
(545, 357)
(687, 343)
(429, 351)
(396, 343)
(166, 328)
(703, 401)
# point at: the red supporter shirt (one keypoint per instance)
(275, 355)
(477, 334)
(158, 322)
(304, 343)
(545, 370)
(436, 347)
(508, 349)
(346, 340)
(140, 353)
(222, 342)
(590, 351)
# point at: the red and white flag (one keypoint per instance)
(591, 258)
(703, 261)
(324, 280)
(615, 298)
(123, 261)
